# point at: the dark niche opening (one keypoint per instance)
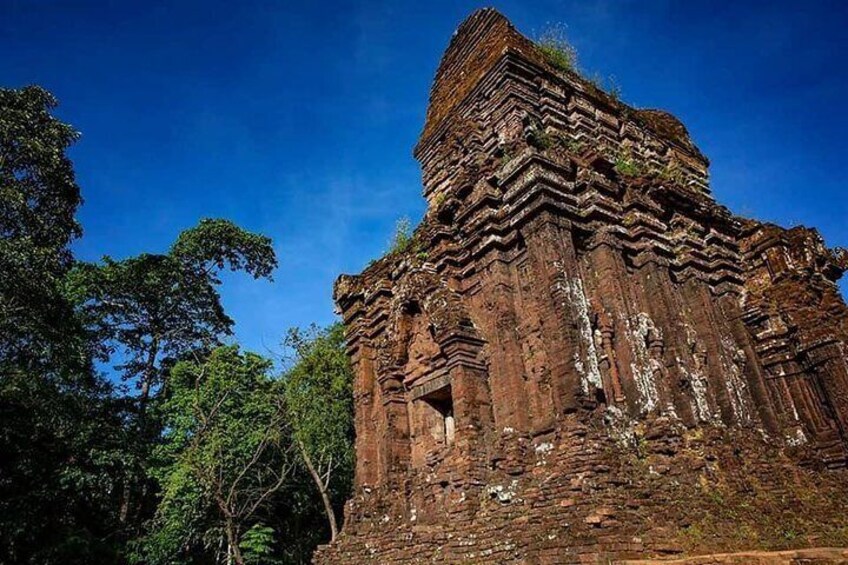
(439, 418)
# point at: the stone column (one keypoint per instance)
(395, 449)
(553, 260)
(754, 371)
(831, 374)
(506, 380)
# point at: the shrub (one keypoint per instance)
(625, 166)
(672, 173)
(539, 138)
(402, 239)
(554, 46)
(614, 88)
(556, 49)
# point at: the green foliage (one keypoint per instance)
(402, 239)
(507, 156)
(672, 173)
(64, 458)
(155, 306)
(319, 397)
(557, 50)
(614, 88)
(62, 441)
(257, 545)
(319, 393)
(85, 468)
(38, 201)
(570, 144)
(626, 167)
(225, 451)
(608, 85)
(539, 138)
(216, 244)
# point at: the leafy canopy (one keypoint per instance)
(319, 393)
(62, 440)
(319, 397)
(38, 201)
(225, 452)
(163, 306)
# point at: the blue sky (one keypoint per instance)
(297, 119)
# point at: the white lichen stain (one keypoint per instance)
(643, 365)
(794, 408)
(542, 450)
(697, 380)
(621, 427)
(698, 385)
(504, 494)
(797, 438)
(544, 447)
(736, 385)
(585, 363)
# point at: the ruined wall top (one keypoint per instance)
(477, 44)
(474, 64)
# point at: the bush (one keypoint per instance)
(402, 239)
(626, 167)
(554, 46)
(556, 49)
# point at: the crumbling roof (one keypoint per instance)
(482, 40)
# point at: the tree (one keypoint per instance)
(156, 309)
(320, 403)
(63, 462)
(226, 451)
(61, 431)
(161, 306)
(38, 202)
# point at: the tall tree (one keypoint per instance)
(156, 307)
(320, 403)
(226, 452)
(61, 432)
(38, 202)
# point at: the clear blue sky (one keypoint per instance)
(297, 119)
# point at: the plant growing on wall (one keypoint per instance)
(557, 50)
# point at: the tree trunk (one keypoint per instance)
(125, 502)
(322, 488)
(147, 377)
(127, 493)
(233, 551)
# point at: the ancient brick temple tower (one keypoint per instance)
(582, 356)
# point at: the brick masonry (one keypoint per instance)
(581, 357)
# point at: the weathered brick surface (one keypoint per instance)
(817, 556)
(583, 356)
